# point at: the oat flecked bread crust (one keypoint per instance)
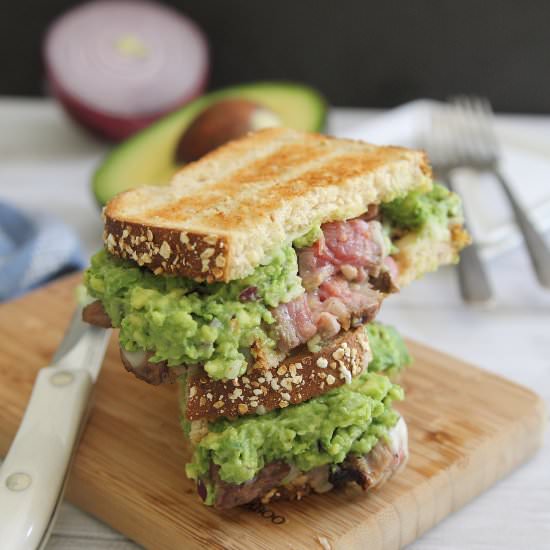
(226, 213)
(298, 378)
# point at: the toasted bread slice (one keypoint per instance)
(420, 253)
(298, 378)
(226, 213)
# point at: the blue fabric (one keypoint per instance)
(34, 250)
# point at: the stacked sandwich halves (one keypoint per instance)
(253, 280)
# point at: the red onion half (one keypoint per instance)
(118, 65)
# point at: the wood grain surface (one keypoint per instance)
(468, 428)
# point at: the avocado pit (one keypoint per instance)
(222, 122)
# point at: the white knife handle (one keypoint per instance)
(33, 474)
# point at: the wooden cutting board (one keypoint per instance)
(468, 428)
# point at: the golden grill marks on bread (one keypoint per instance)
(298, 378)
(223, 215)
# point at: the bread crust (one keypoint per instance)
(298, 378)
(225, 214)
(163, 250)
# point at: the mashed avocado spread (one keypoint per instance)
(416, 209)
(185, 322)
(389, 352)
(323, 430)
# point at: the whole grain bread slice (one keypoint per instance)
(299, 377)
(225, 214)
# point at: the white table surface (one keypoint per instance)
(46, 164)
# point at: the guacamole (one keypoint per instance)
(311, 237)
(185, 322)
(416, 209)
(323, 430)
(389, 352)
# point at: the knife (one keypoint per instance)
(35, 470)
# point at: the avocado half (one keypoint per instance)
(148, 157)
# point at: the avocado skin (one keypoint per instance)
(148, 156)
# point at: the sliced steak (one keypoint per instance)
(356, 243)
(339, 301)
(372, 213)
(229, 495)
(337, 304)
(153, 373)
(386, 282)
(346, 274)
(379, 465)
(359, 300)
(295, 325)
(95, 314)
(312, 268)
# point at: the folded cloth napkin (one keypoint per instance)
(34, 250)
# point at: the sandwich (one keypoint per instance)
(350, 434)
(253, 281)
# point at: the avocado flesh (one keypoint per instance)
(148, 158)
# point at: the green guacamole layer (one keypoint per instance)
(414, 210)
(323, 430)
(185, 322)
(389, 352)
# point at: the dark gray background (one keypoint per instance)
(357, 52)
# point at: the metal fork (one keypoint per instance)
(446, 152)
(474, 121)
